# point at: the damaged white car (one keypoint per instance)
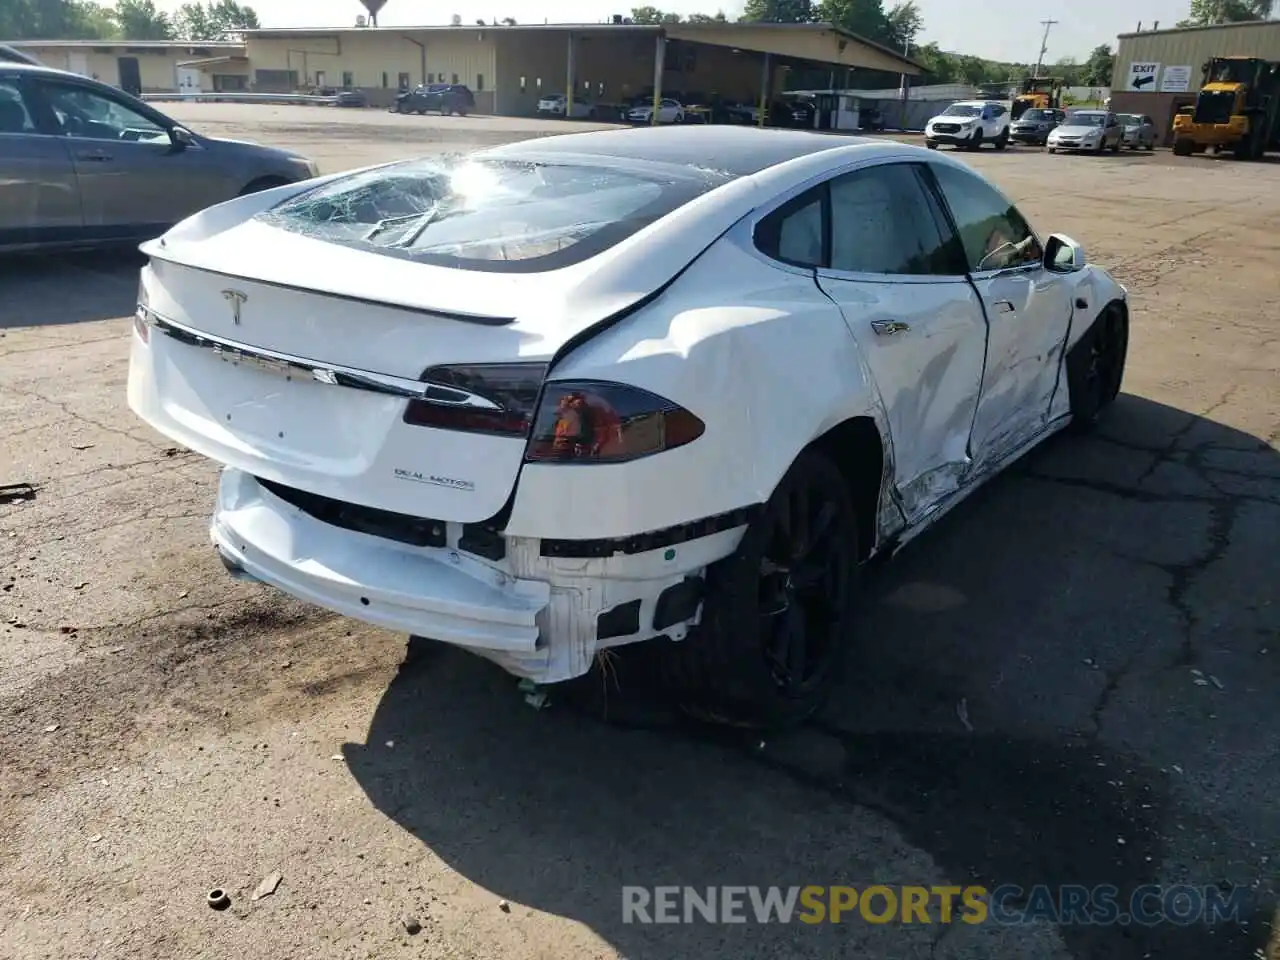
(583, 391)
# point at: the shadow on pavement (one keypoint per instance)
(969, 744)
(55, 289)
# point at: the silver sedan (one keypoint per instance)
(84, 164)
(1139, 131)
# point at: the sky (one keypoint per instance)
(998, 29)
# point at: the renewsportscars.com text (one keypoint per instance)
(1007, 904)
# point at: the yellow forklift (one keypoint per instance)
(1236, 109)
(1040, 93)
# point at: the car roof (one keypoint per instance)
(737, 151)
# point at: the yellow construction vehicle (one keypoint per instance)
(1041, 93)
(1237, 109)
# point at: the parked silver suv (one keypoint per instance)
(83, 164)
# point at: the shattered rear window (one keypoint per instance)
(494, 214)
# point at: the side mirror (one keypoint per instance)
(181, 138)
(1063, 255)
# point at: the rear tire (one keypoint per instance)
(1095, 366)
(779, 611)
(1183, 147)
(931, 145)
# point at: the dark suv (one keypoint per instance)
(443, 98)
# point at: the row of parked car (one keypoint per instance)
(971, 123)
(796, 112)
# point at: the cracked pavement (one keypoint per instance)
(1107, 613)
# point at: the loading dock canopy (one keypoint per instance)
(818, 42)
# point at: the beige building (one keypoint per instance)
(146, 66)
(510, 67)
(1172, 60)
(507, 67)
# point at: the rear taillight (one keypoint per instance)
(594, 422)
(495, 398)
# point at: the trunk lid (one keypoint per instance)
(281, 348)
(248, 395)
(253, 310)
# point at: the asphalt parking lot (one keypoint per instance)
(1072, 680)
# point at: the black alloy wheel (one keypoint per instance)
(1095, 366)
(804, 586)
(779, 612)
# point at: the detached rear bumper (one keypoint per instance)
(436, 593)
(540, 617)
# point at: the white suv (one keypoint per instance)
(970, 124)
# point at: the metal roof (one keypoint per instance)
(746, 30)
(144, 44)
(1194, 29)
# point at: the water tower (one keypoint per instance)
(373, 6)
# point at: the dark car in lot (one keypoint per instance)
(442, 98)
(1035, 125)
(871, 118)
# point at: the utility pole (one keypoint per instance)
(902, 88)
(1044, 46)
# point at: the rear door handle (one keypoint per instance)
(887, 328)
(97, 156)
(1003, 306)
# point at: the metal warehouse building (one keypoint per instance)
(1158, 71)
(510, 67)
(146, 66)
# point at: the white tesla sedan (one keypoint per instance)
(582, 391)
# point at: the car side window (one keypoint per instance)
(82, 112)
(14, 115)
(994, 234)
(793, 232)
(881, 222)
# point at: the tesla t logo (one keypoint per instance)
(237, 300)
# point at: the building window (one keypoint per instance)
(403, 81)
(348, 79)
(524, 84)
(479, 82)
(386, 80)
(320, 78)
(600, 93)
(455, 79)
(431, 78)
(586, 87)
(538, 83)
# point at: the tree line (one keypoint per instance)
(122, 20)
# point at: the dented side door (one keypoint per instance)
(1028, 311)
